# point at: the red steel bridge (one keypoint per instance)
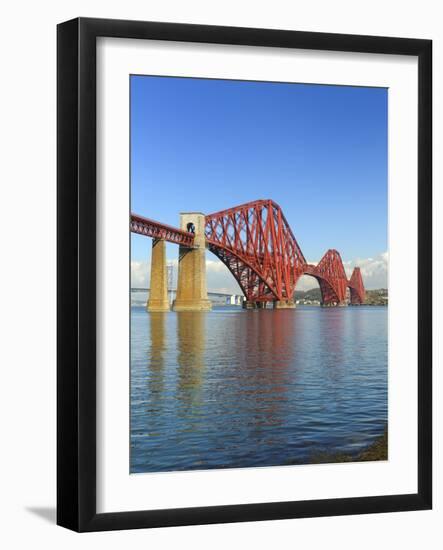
(257, 245)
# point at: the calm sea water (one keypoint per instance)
(233, 388)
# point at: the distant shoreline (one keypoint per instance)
(312, 297)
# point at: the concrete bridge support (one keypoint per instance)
(192, 293)
(248, 304)
(284, 304)
(158, 295)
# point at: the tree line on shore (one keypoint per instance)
(378, 297)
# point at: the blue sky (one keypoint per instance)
(318, 151)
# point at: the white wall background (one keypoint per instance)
(27, 286)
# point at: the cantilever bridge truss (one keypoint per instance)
(257, 245)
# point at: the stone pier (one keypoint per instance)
(248, 304)
(158, 294)
(192, 293)
(284, 304)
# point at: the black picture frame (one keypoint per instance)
(76, 280)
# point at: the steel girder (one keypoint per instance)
(257, 245)
(157, 230)
(357, 287)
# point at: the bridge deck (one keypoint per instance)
(157, 230)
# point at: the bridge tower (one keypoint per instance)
(192, 293)
(158, 293)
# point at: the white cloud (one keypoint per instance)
(219, 279)
(215, 266)
(140, 274)
(306, 282)
(374, 270)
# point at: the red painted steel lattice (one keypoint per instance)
(357, 287)
(256, 243)
(331, 277)
(157, 230)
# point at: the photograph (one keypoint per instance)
(235, 322)
(259, 263)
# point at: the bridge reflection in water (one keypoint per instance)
(236, 388)
(190, 362)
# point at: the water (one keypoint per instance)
(234, 388)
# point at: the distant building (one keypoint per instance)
(234, 300)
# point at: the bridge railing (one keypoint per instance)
(156, 230)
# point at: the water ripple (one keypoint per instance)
(234, 388)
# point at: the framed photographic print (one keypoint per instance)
(244, 274)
